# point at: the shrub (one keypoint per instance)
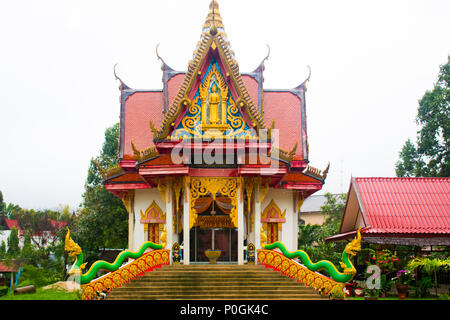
(3, 290)
(37, 276)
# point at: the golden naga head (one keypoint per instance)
(70, 246)
(355, 245)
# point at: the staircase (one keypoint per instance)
(213, 282)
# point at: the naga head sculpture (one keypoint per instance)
(70, 246)
(355, 245)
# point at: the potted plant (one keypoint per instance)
(402, 280)
(430, 266)
(371, 294)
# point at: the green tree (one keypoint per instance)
(431, 155)
(102, 221)
(28, 250)
(2, 203)
(11, 210)
(430, 266)
(2, 250)
(308, 235)
(13, 243)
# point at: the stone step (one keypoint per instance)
(183, 277)
(238, 291)
(201, 296)
(224, 286)
(214, 266)
(219, 282)
(215, 273)
(218, 272)
(214, 289)
(216, 282)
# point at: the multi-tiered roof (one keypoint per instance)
(153, 122)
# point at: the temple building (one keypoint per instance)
(213, 160)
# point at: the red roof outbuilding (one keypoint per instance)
(410, 211)
(5, 268)
(10, 223)
(57, 224)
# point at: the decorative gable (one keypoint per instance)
(213, 112)
(212, 100)
(153, 214)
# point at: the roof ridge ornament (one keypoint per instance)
(158, 56)
(122, 86)
(213, 20)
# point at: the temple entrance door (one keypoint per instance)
(224, 239)
(153, 232)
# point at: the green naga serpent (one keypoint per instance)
(349, 270)
(74, 251)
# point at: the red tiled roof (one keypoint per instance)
(10, 223)
(57, 224)
(140, 108)
(5, 268)
(285, 109)
(405, 205)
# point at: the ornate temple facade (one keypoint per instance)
(213, 160)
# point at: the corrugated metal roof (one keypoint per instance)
(406, 205)
(314, 203)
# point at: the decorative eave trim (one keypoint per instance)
(144, 155)
(111, 172)
(283, 154)
(316, 173)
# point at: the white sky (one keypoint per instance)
(371, 62)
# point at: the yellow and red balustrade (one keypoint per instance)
(120, 273)
(307, 271)
(294, 270)
(137, 267)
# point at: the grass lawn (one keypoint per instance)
(50, 294)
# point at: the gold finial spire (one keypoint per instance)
(213, 19)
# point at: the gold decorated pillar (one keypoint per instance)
(169, 218)
(257, 213)
(240, 213)
(186, 227)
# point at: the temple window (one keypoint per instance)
(153, 219)
(272, 219)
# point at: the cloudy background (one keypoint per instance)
(371, 62)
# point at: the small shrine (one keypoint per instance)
(214, 160)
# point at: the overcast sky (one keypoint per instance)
(371, 62)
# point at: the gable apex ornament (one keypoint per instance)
(209, 42)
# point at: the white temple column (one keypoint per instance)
(169, 219)
(257, 214)
(186, 230)
(241, 225)
(139, 234)
(131, 222)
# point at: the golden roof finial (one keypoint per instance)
(213, 19)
